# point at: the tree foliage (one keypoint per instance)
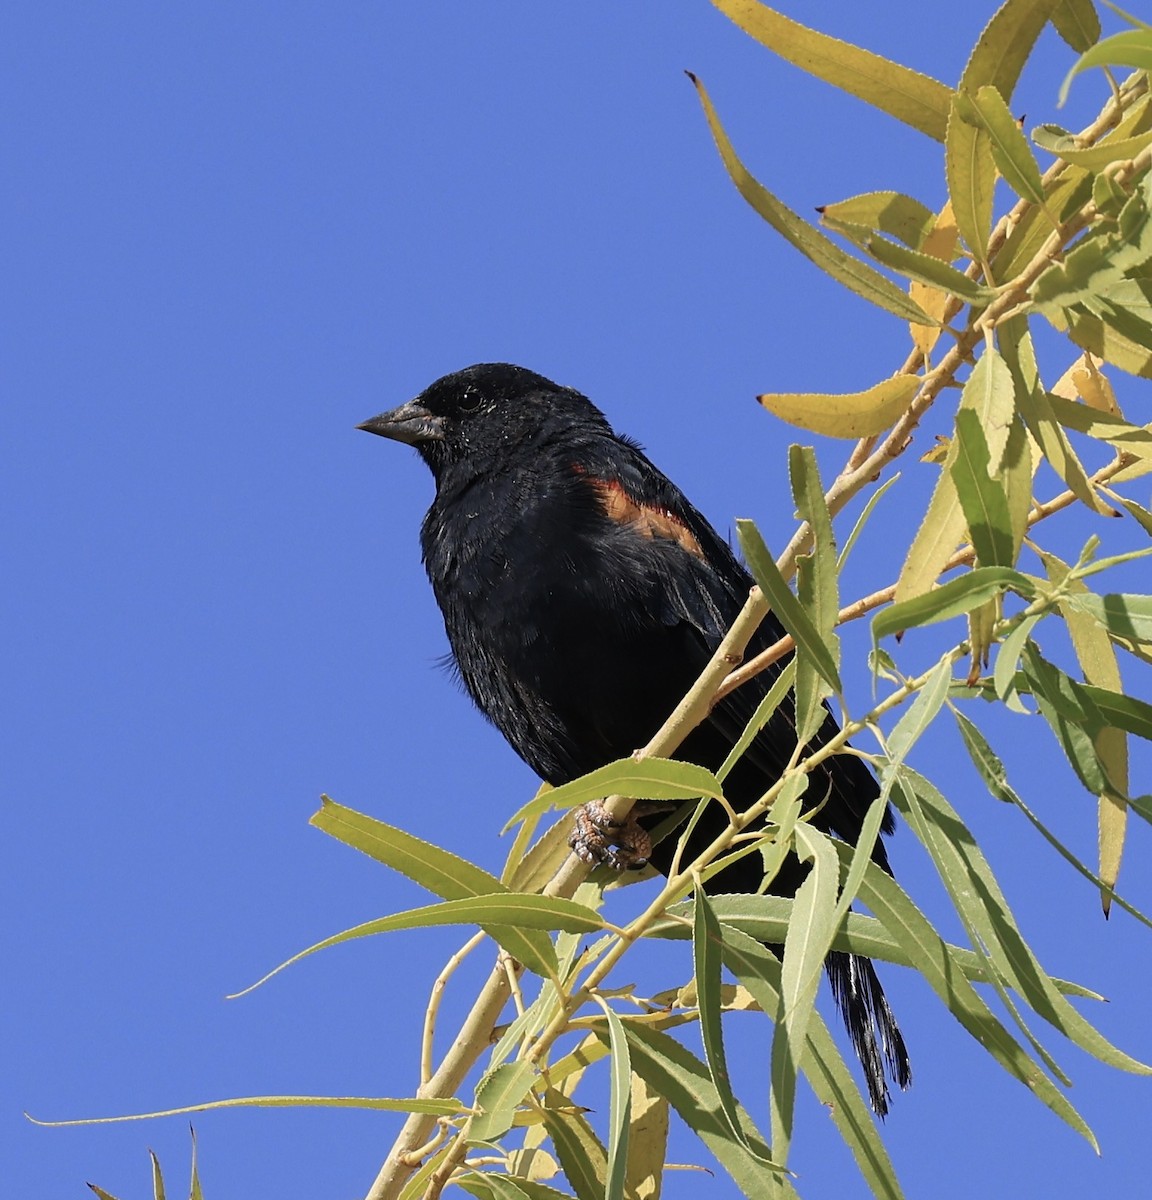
(1045, 230)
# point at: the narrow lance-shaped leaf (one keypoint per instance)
(971, 174)
(806, 945)
(991, 770)
(1130, 49)
(580, 1151)
(937, 964)
(904, 217)
(851, 272)
(924, 268)
(647, 1141)
(1005, 44)
(952, 599)
(620, 1104)
(981, 496)
(976, 893)
(706, 958)
(1077, 23)
(1072, 716)
(942, 530)
(1035, 408)
(847, 414)
(990, 393)
(498, 1095)
(1097, 660)
(899, 91)
(766, 919)
(526, 915)
(676, 1073)
(1010, 149)
(758, 970)
(784, 603)
(640, 779)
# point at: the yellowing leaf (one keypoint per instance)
(915, 99)
(943, 242)
(814, 245)
(846, 415)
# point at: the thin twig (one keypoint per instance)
(434, 1004)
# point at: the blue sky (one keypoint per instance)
(234, 230)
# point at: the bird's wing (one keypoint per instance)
(699, 586)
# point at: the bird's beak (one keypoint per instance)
(411, 423)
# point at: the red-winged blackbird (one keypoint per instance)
(582, 595)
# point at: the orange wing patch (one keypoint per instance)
(648, 520)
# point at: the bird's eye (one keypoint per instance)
(471, 400)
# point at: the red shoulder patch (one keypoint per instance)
(648, 520)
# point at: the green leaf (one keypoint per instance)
(647, 1142)
(849, 414)
(1105, 339)
(899, 91)
(952, 599)
(1104, 426)
(1127, 616)
(498, 1095)
(1005, 44)
(863, 518)
(525, 915)
(920, 714)
(1123, 712)
(1010, 149)
(491, 1186)
(442, 873)
(580, 1151)
(991, 394)
(926, 269)
(981, 496)
(1130, 49)
(431, 1107)
(1074, 719)
(1007, 658)
(992, 771)
(821, 598)
(814, 245)
(637, 778)
(784, 603)
(766, 919)
(706, 958)
(674, 1072)
(758, 969)
(893, 213)
(158, 1177)
(620, 1104)
(984, 908)
(1077, 23)
(775, 696)
(942, 530)
(806, 946)
(1094, 158)
(971, 174)
(1034, 406)
(944, 975)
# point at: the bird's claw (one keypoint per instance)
(598, 838)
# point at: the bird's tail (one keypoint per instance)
(871, 1025)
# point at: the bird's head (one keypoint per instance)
(481, 410)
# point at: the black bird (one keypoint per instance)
(582, 594)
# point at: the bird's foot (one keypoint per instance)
(598, 838)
